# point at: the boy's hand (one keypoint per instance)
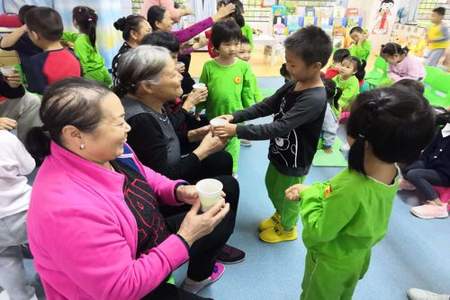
(328, 150)
(225, 131)
(293, 193)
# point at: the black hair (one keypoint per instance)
(155, 14)
(244, 40)
(393, 49)
(330, 88)
(396, 123)
(385, 1)
(340, 54)
(358, 66)
(128, 24)
(439, 10)
(311, 44)
(46, 22)
(356, 29)
(411, 84)
(163, 39)
(23, 12)
(72, 101)
(225, 31)
(237, 15)
(86, 19)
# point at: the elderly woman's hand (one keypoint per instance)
(195, 226)
(223, 12)
(209, 145)
(187, 194)
(198, 134)
(195, 97)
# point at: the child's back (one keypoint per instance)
(56, 62)
(84, 44)
(355, 221)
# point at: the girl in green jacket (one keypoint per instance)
(93, 64)
(346, 216)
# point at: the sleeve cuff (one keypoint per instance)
(184, 241)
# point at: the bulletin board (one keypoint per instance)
(425, 8)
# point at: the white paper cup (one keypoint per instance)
(199, 86)
(210, 192)
(217, 122)
(8, 70)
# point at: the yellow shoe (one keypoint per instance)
(277, 234)
(270, 222)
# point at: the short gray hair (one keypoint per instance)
(143, 63)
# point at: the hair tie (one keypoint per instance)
(90, 20)
(362, 136)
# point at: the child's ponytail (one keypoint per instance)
(86, 19)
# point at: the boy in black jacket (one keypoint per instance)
(298, 108)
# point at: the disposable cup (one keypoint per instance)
(210, 192)
(8, 70)
(199, 86)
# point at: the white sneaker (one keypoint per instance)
(430, 211)
(418, 294)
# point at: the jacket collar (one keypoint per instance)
(90, 172)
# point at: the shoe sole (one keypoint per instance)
(231, 263)
(276, 242)
(428, 218)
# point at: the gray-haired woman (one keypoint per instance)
(150, 80)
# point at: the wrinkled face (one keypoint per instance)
(166, 23)
(347, 68)
(245, 52)
(143, 29)
(169, 85)
(297, 68)
(106, 142)
(228, 49)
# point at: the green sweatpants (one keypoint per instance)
(276, 184)
(101, 75)
(234, 148)
(332, 279)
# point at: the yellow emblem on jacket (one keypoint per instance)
(237, 79)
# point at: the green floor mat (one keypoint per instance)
(335, 159)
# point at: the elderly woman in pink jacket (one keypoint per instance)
(94, 224)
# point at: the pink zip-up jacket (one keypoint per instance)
(84, 237)
(409, 68)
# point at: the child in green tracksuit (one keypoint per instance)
(92, 63)
(229, 79)
(347, 82)
(361, 47)
(298, 108)
(346, 216)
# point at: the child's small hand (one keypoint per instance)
(293, 193)
(225, 131)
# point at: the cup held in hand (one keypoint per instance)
(210, 192)
(8, 70)
(199, 86)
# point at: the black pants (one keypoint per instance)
(424, 179)
(167, 291)
(202, 257)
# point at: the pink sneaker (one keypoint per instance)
(430, 211)
(405, 185)
(194, 287)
